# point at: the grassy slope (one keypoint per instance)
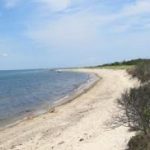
(123, 65)
(117, 67)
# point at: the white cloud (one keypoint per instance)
(54, 5)
(132, 16)
(11, 3)
(3, 54)
(71, 31)
(137, 8)
(84, 28)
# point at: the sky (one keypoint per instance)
(69, 33)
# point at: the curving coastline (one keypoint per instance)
(78, 125)
(81, 89)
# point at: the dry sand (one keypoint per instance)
(79, 125)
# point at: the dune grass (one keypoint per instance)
(123, 64)
(118, 67)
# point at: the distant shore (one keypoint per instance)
(81, 124)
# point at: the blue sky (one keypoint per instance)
(64, 33)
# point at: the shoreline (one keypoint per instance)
(83, 88)
(81, 124)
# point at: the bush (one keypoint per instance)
(128, 63)
(141, 71)
(139, 142)
(136, 104)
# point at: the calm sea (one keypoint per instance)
(28, 91)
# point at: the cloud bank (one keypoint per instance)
(84, 27)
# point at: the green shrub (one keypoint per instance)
(141, 71)
(128, 63)
(139, 142)
(136, 104)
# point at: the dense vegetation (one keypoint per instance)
(141, 71)
(126, 63)
(139, 142)
(136, 104)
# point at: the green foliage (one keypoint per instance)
(147, 112)
(126, 63)
(127, 67)
(136, 104)
(139, 142)
(141, 71)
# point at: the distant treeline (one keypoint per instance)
(129, 62)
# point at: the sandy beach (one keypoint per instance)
(82, 124)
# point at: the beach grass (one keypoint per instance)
(130, 64)
(115, 67)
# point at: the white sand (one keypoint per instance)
(78, 125)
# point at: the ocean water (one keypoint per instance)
(26, 92)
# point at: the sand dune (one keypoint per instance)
(83, 124)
